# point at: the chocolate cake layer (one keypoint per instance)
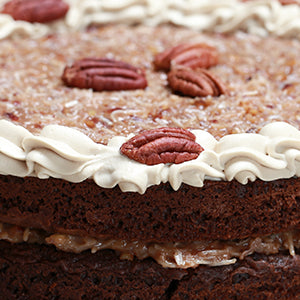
(41, 272)
(257, 277)
(218, 210)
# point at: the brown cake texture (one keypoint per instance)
(125, 241)
(50, 274)
(218, 210)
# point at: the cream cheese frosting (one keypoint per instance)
(260, 17)
(66, 153)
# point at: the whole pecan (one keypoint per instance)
(162, 145)
(102, 74)
(41, 11)
(187, 55)
(192, 83)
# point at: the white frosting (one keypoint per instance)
(261, 17)
(66, 153)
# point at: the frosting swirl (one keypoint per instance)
(260, 17)
(66, 153)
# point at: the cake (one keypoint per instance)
(212, 212)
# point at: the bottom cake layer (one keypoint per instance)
(30, 271)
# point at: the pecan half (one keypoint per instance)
(41, 11)
(199, 83)
(283, 2)
(187, 55)
(162, 145)
(288, 2)
(102, 74)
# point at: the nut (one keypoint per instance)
(41, 11)
(162, 145)
(288, 2)
(198, 83)
(187, 55)
(102, 74)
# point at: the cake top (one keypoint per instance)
(227, 105)
(96, 124)
(259, 92)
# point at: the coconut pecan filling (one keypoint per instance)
(169, 255)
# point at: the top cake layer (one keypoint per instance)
(260, 92)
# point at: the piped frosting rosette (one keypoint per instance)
(260, 17)
(270, 155)
(66, 153)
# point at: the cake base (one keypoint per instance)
(30, 271)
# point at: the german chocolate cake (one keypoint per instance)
(149, 150)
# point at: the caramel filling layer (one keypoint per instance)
(169, 255)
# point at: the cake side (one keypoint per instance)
(190, 213)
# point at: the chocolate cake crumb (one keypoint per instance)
(41, 272)
(218, 210)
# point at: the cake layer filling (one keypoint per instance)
(169, 255)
